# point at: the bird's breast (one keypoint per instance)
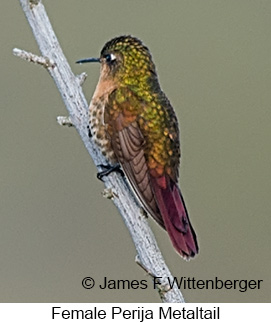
(98, 129)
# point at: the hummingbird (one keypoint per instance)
(133, 123)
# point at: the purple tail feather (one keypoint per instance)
(175, 216)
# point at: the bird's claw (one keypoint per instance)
(108, 169)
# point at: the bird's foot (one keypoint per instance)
(89, 131)
(108, 169)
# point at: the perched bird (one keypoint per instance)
(135, 126)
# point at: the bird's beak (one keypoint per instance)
(88, 60)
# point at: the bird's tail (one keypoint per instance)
(175, 216)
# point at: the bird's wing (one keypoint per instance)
(128, 144)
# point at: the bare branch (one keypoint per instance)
(44, 61)
(81, 78)
(69, 87)
(64, 121)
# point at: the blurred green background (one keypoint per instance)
(214, 63)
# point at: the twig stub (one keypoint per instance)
(30, 57)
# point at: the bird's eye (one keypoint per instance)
(110, 58)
